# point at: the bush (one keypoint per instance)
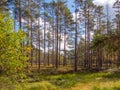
(13, 56)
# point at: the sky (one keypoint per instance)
(103, 2)
(97, 2)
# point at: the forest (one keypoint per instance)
(59, 45)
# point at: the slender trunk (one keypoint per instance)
(31, 44)
(44, 35)
(20, 14)
(85, 61)
(14, 20)
(53, 31)
(108, 31)
(88, 40)
(48, 47)
(76, 58)
(64, 62)
(60, 43)
(57, 27)
(100, 49)
(53, 50)
(39, 52)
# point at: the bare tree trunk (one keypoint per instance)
(60, 43)
(44, 35)
(53, 49)
(57, 21)
(85, 61)
(76, 31)
(39, 52)
(20, 15)
(48, 47)
(31, 44)
(53, 31)
(64, 61)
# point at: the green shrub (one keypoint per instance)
(13, 56)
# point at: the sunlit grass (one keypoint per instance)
(54, 80)
(82, 81)
(44, 85)
(97, 85)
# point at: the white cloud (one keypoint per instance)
(104, 2)
(110, 6)
(73, 14)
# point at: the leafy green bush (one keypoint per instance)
(13, 56)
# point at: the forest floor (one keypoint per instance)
(52, 79)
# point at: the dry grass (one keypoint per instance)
(108, 85)
(44, 85)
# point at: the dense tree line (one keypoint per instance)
(90, 41)
(100, 49)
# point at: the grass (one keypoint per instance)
(53, 80)
(44, 85)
